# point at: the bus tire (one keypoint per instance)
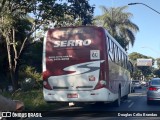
(126, 96)
(129, 91)
(117, 103)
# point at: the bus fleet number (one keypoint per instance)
(94, 54)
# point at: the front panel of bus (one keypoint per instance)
(73, 61)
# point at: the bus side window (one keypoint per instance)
(108, 43)
(113, 50)
(121, 64)
(119, 56)
(122, 59)
(130, 66)
(125, 61)
(116, 54)
(110, 49)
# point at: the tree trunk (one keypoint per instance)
(12, 64)
(15, 72)
(10, 61)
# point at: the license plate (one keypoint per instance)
(72, 95)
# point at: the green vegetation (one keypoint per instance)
(118, 23)
(33, 100)
(29, 78)
(19, 37)
(141, 72)
(22, 27)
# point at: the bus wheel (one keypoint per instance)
(129, 90)
(126, 96)
(117, 103)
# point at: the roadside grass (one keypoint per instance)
(33, 100)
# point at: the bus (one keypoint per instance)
(84, 64)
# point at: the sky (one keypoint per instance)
(147, 40)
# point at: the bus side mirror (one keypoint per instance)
(130, 67)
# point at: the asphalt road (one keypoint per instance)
(133, 108)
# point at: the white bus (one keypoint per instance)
(84, 64)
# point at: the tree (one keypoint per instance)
(15, 12)
(79, 12)
(140, 70)
(156, 72)
(119, 25)
(8, 21)
(3, 56)
(158, 62)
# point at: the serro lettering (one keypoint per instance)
(71, 43)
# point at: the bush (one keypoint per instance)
(28, 84)
(33, 100)
(29, 78)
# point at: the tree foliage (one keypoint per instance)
(141, 70)
(158, 62)
(18, 29)
(117, 21)
(156, 72)
(60, 12)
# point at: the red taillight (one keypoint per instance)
(102, 80)
(152, 89)
(45, 75)
(45, 80)
(46, 85)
